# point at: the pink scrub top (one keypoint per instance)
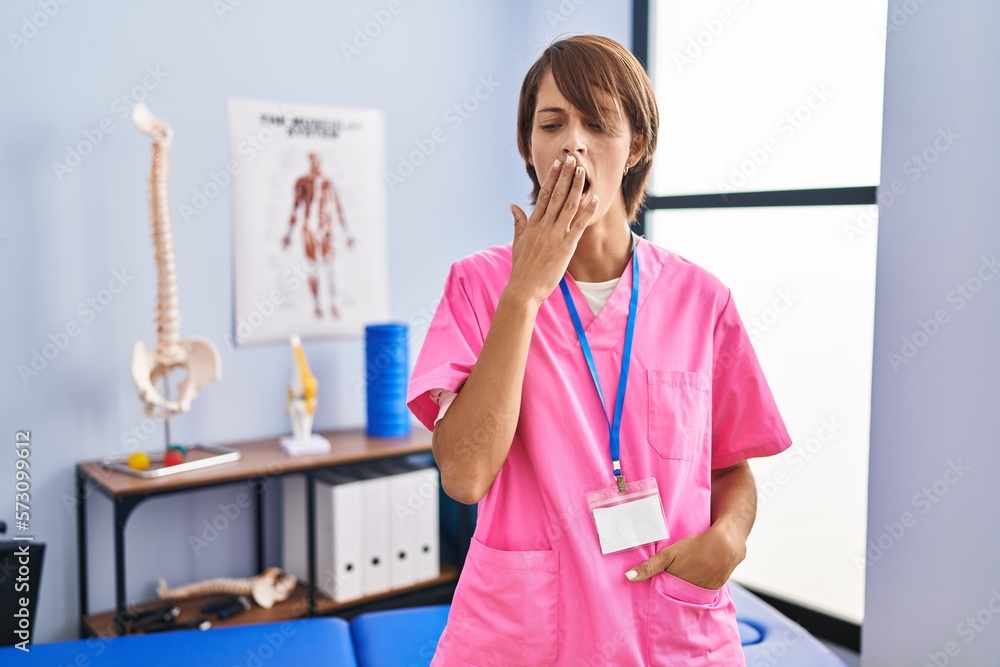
(535, 589)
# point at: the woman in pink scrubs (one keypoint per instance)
(519, 379)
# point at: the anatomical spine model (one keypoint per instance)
(268, 587)
(198, 356)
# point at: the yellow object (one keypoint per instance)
(138, 461)
(307, 382)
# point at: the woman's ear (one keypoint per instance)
(638, 148)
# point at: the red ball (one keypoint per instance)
(172, 458)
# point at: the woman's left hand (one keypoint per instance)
(705, 560)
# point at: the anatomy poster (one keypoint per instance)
(309, 209)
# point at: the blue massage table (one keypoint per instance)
(395, 638)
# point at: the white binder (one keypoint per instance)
(339, 536)
(413, 505)
(293, 526)
(428, 534)
(375, 529)
(339, 571)
(402, 530)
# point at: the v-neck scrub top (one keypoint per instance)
(535, 588)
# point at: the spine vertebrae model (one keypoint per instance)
(196, 355)
(269, 587)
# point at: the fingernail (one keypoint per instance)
(570, 160)
(579, 171)
(556, 164)
(631, 575)
(594, 199)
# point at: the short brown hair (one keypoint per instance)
(606, 65)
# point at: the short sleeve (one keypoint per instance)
(444, 399)
(745, 419)
(450, 349)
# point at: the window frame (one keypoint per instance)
(828, 627)
(803, 197)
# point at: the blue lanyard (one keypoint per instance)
(614, 427)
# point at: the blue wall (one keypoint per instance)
(64, 235)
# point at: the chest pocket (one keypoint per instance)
(678, 412)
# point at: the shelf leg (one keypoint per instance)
(121, 515)
(258, 491)
(81, 545)
(311, 540)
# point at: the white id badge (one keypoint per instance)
(630, 519)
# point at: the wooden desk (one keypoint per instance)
(261, 461)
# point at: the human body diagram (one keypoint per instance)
(316, 192)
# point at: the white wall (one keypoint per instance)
(933, 570)
(61, 240)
